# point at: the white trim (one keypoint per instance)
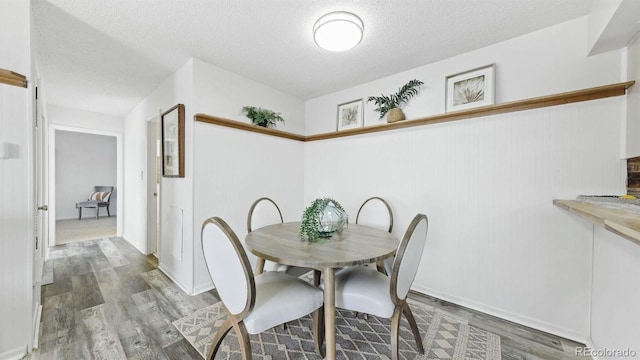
(36, 325)
(170, 276)
(589, 343)
(52, 174)
(203, 288)
(134, 245)
(15, 354)
(500, 313)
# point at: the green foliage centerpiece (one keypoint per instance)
(262, 117)
(391, 103)
(321, 219)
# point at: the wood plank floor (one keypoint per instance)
(108, 301)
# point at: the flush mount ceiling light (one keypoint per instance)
(338, 31)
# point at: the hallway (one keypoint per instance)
(108, 301)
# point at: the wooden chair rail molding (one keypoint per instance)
(513, 106)
(11, 78)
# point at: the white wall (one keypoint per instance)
(223, 93)
(80, 119)
(233, 169)
(496, 243)
(176, 195)
(16, 185)
(82, 162)
(633, 100)
(599, 17)
(203, 88)
(615, 313)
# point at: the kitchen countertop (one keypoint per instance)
(607, 214)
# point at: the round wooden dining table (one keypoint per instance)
(354, 245)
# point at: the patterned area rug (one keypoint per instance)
(443, 337)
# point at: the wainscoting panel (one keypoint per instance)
(232, 169)
(495, 240)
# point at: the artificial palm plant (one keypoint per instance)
(386, 103)
(262, 117)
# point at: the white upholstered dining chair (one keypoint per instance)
(376, 212)
(263, 212)
(365, 290)
(254, 304)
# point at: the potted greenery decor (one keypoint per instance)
(262, 117)
(391, 103)
(322, 219)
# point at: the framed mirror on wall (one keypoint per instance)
(172, 123)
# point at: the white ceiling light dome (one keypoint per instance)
(338, 31)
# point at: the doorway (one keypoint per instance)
(153, 185)
(75, 144)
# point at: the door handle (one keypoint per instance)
(43, 207)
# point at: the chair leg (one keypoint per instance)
(80, 213)
(364, 315)
(316, 277)
(318, 329)
(108, 213)
(259, 266)
(217, 339)
(414, 327)
(97, 212)
(243, 340)
(380, 267)
(395, 331)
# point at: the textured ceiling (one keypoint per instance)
(106, 56)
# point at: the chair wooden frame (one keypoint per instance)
(397, 291)
(385, 204)
(236, 322)
(401, 303)
(261, 261)
(379, 264)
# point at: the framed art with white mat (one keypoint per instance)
(470, 89)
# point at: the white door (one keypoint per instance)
(40, 208)
(153, 184)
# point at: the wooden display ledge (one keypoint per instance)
(599, 92)
(11, 78)
(620, 222)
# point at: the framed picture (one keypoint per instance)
(470, 89)
(173, 142)
(350, 115)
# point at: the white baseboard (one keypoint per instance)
(36, 326)
(173, 278)
(15, 354)
(85, 216)
(67, 218)
(500, 313)
(590, 344)
(203, 288)
(134, 245)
